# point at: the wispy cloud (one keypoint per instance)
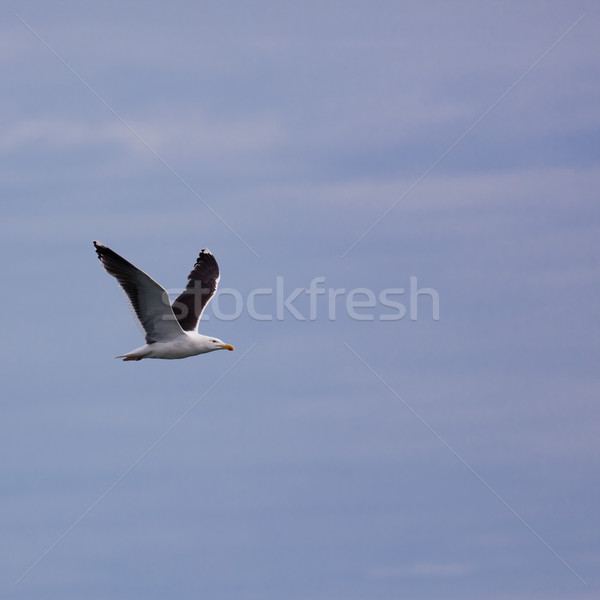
(60, 133)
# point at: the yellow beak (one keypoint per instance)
(227, 347)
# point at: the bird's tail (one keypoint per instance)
(129, 357)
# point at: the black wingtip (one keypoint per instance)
(99, 248)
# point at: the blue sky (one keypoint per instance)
(326, 458)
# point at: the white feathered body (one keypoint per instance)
(188, 344)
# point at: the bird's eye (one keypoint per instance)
(215, 341)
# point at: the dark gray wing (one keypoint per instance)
(201, 287)
(148, 300)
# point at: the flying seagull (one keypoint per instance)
(170, 330)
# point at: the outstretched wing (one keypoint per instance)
(201, 287)
(148, 300)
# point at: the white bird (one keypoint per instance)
(170, 330)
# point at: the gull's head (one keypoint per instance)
(217, 344)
